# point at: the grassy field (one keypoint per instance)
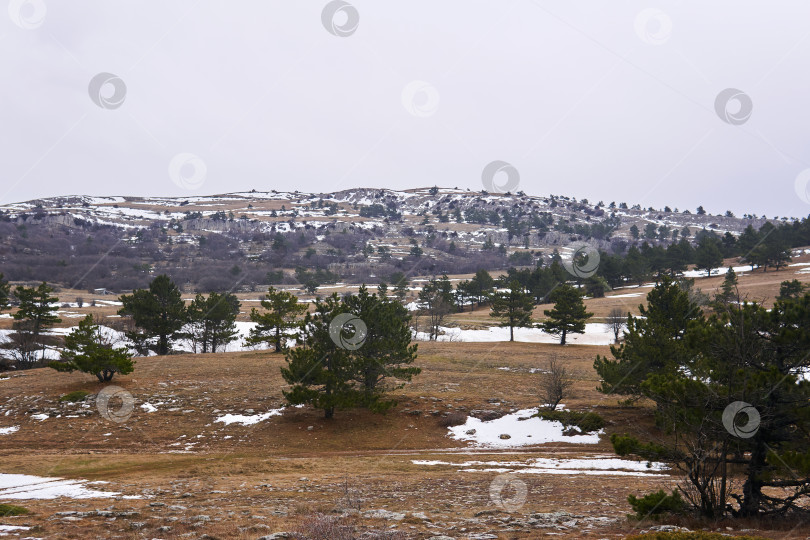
(195, 476)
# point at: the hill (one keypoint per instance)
(246, 240)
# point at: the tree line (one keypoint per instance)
(350, 351)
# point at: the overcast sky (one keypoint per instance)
(599, 100)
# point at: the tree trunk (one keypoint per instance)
(511, 333)
(562, 339)
(752, 489)
(329, 412)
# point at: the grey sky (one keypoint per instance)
(568, 92)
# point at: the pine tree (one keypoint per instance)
(400, 283)
(37, 306)
(34, 315)
(5, 294)
(568, 316)
(283, 312)
(89, 350)
(653, 341)
(792, 289)
(514, 308)
(158, 312)
(708, 255)
(736, 401)
(330, 376)
(728, 292)
(212, 321)
(481, 286)
(386, 351)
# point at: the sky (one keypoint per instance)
(655, 103)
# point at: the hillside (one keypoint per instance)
(361, 235)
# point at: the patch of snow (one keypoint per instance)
(716, 271)
(23, 486)
(8, 430)
(598, 465)
(4, 529)
(522, 428)
(148, 407)
(40, 417)
(248, 420)
(595, 334)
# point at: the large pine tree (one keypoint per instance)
(328, 375)
(653, 341)
(158, 312)
(735, 401)
(212, 321)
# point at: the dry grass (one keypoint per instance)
(255, 480)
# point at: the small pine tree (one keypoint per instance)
(568, 316)
(728, 290)
(400, 283)
(790, 290)
(37, 307)
(514, 308)
(89, 351)
(35, 314)
(283, 312)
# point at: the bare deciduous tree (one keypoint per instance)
(616, 321)
(555, 383)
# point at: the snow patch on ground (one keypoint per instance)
(522, 428)
(248, 420)
(5, 529)
(597, 465)
(24, 486)
(595, 334)
(8, 430)
(40, 417)
(148, 407)
(716, 271)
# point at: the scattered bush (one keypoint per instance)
(657, 504)
(324, 527)
(453, 419)
(7, 510)
(76, 395)
(586, 421)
